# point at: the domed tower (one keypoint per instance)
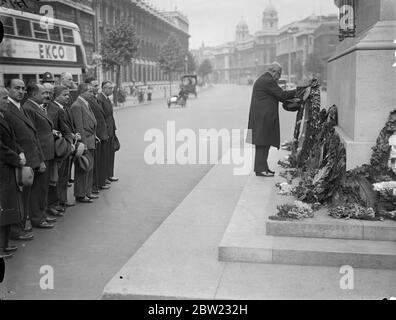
(270, 18)
(242, 30)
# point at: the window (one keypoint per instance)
(107, 15)
(39, 33)
(8, 23)
(55, 34)
(68, 35)
(114, 16)
(23, 27)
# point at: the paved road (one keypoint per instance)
(91, 243)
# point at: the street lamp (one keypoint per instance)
(289, 33)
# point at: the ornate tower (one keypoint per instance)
(270, 18)
(242, 30)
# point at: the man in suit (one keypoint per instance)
(103, 98)
(99, 179)
(35, 110)
(66, 80)
(264, 116)
(27, 140)
(84, 122)
(57, 195)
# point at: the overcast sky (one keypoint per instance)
(214, 21)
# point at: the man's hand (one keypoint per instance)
(22, 160)
(72, 147)
(57, 133)
(97, 139)
(42, 167)
(77, 136)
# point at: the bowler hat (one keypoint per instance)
(24, 176)
(61, 147)
(292, 105)
(85, 161)
(47, 77)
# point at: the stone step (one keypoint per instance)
(314, 252)
(323, 226)
(246, 238)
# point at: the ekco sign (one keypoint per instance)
(347, 18)
(37, 50)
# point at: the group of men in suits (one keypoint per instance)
(33, 121)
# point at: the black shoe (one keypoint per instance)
(113, 179)
(93, 196)
(95, 192)
(10, 249)
(22, 237)
(108, 182)
(264, 174)
(60, 208)
(43, 225)
(6, 255)
(270, 171)
(50, 220)
(54, 212)
(105, 187)
(70, 204)
(84, 200)
(71, 180)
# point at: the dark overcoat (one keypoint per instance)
(84, 122)
(44, 127)
(101, 125)
(264, 111)
(26, 135)
(10, 196)
(60, 119)
(108, 112)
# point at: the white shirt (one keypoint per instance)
(59, 105)
(17, 104)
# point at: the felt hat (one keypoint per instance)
(292, 105)
(85, 162)
(24, 176)
(61, 147)
(80, 148)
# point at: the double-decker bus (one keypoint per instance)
(28, 50)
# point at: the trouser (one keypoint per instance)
(83, 180)
(110, 158)
(58, 194)
(100, 176)
(261, 157)
(4, 236)
(39, 195)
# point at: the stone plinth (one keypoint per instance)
(361, 79)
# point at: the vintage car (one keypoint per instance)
(189, 83)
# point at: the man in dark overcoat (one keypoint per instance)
(27, 140)
(35, 110)
(11, 157)
(104, 99)
(264, 116)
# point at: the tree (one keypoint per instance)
(314, 65)
(205, 68)
(171, 57)
(119, 46)
(191, 64)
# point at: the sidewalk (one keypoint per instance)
(180, 260)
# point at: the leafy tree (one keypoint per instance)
(191, 64)
(314, 65)
(119, 46)
(205, 68)
(171, 57)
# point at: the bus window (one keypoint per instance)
(23, 27)
(39, 33)
(68, 35)
(8, 23)
(29, 78)
(55, 34)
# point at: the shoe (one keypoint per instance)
(22, 237)
(270, 171)
(54, 212)
(84, 200)
(68, 205)
(95, 192)
(10, 249)
(60, 208)
(43, 225)
(49, 219)
(113, 179)
(93, 196)
(71, 180)
(105, 187)
(107, 182)
(6, 255)
(264, 174)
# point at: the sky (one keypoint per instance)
(213, 21)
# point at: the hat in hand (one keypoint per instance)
(85, 162)
(24, 176)
(292, 105)
(61, 147)
(80, 148)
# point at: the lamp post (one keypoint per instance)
(256, 61)
(186, 64)
(289, 32)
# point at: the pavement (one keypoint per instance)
(92, 242)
